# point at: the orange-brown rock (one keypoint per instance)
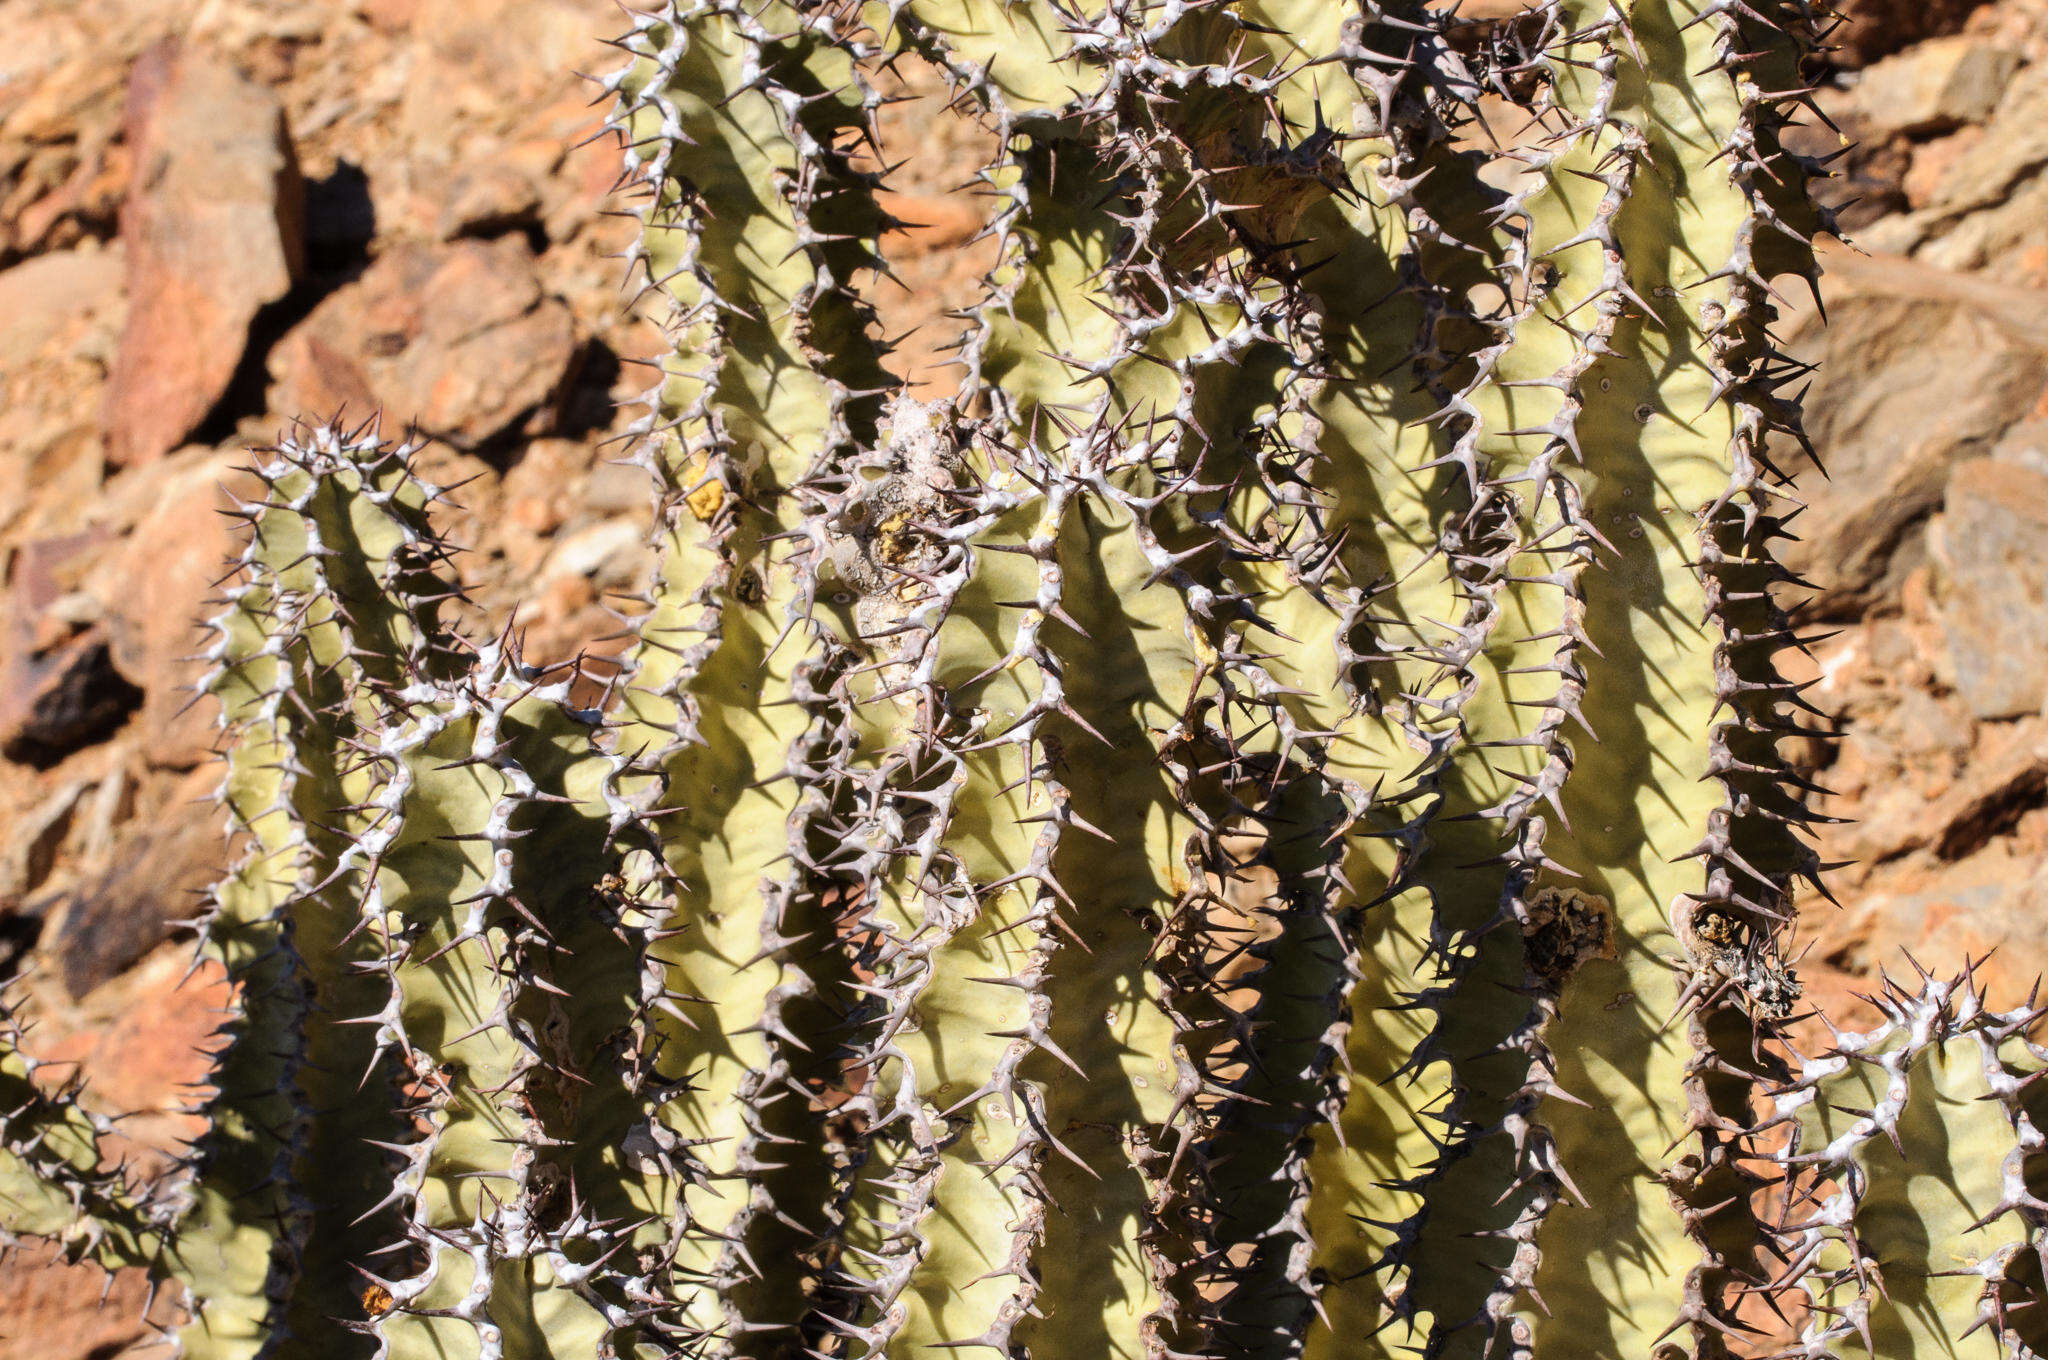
(58, 686)
(154, 586)
(1876, 28)
(214, 232)
(108, 920)
(54, 1309)
(60, 315)
(61, 697)
(63, 164)
(142, 1050)
(459, 340)
(1936, 86)
(1921, 369)
(1991, 586)
(487, 199)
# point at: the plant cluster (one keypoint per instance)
(1258, 828)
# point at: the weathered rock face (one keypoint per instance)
(101, 925)
(1987, 211)
(60, 315)
(140, 1048)
(1932, 412)
(1990, 552)
(47, 1299)
(1876, 28)
(47, 303)
(152, 587)
(61, 699)
(63, 165)
(489, 199)
(105, 823)
(1937, 86)
(1952, 851)
(214, 226)
(1920, 369)
(458, 339)
(58, 686)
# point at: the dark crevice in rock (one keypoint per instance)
(20, 928)
(76, 697)
(585, 407)
(1994, 814)
(523, 225)
(341, 222)
(580, 407)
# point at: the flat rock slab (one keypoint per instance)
(61, 699)
(59, 689)
(1936, 86)
(1990, 551)
(214, 227)
(154, 589)
(459, 340)
(1921, 370)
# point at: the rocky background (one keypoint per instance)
(218, 214)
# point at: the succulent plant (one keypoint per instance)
(1118, 862)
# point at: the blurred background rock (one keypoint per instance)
(219, 214)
